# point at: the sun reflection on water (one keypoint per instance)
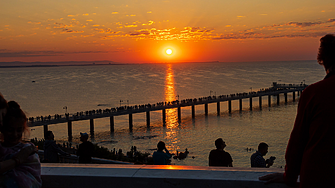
(171, 122)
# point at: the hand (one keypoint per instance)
(269, 162)
(273, 178)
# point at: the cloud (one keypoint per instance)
(37, 23)
(304, 24)
(61, 25)
(115, 13)
(143, 32)
(71, 31)
(130, 26)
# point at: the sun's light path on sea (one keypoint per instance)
(171, 114)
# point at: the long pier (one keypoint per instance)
(275, 90)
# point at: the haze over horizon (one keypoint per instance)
(149, 31)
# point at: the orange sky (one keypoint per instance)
(135, 31)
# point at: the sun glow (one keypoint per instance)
(168, 51)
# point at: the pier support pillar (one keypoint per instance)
(193, 112)
(164, 116)
(69, 130)
(269, 100)
(111, 122)
(260, 102)
(179, 114)
(229, 106)
(206, 109)
(285, 95)
(45, 128)
(148, 119)
(91, 126)
(218, 108)
(240, 100)
(250, 99)
(277, 99)
(131, 122)
(293, 96)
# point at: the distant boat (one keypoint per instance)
(33, 81)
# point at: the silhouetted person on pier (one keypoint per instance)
(85, 150)
(160, 157)
(257, 159)
(219, 157)
(310, 151)
(51, 150)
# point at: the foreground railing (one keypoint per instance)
(146, 176)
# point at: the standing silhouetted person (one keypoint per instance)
(51, 149)
(85, 150)
(160, 157)
(219, 157)
(310, 151)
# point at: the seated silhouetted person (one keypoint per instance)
(257, 159)
(160, 157)
(219, 157)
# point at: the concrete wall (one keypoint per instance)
(147, 176)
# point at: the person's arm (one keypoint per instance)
(231, 161)
(60, 151)
(297, 142)
(168, 153)
(19, 158)
(6, 165)
(210, 159)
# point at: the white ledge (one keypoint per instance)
(111, 175)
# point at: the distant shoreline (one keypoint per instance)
(19, 64)
(30, 66)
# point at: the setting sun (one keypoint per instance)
(168, 51)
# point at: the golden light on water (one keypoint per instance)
(170, 95)
(171, 114)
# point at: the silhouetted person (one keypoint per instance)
(160, 157)
(310, 151)
(257, 159)
(51, 150)
(219, 157)
(85, 150)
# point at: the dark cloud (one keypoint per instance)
(138, 33)
(304, 24)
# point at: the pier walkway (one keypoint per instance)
(275, 90)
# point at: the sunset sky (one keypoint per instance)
(140, 31)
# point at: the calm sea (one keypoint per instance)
(81, 88)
